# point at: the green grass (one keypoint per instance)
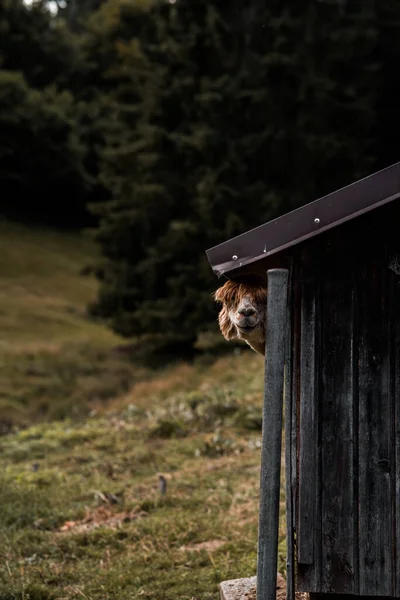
(65, 538)
(88, 434)
(54, 360)
(43, 296)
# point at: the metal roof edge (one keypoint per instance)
(307, 221)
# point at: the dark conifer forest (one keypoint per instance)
(168, 127)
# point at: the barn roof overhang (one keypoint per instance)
(306, 222)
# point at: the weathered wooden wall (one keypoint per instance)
(346, 386)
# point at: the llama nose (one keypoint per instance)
(247, 311)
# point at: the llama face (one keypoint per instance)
(243, 311)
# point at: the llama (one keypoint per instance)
(243, 311)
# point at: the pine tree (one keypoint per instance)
(41, 174)
(33, 42)
(75, 12)
(42, 158)
(224, 114)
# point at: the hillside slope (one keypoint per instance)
(122, 483)
(43, 296)
(54, 360)
(155, 499)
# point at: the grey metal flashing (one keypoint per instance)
(306, 222)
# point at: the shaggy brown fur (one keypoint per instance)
(243, 311)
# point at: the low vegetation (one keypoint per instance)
(54, 361)
(117, 483)
(157, 498)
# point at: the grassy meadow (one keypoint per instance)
(117, 482)
(54, 361)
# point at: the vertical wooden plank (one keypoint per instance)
(338, 433)
(309, 511)
(272, 435)
(356, 450)
(296, 320)
(295, 400)
(308, 433)
(375, 433)
(395, 378)
(288, 448)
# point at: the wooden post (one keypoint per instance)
(290, 447)
(272, 434)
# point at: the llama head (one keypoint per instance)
(243, 311)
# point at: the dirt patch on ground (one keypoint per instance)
(209, 546)
(101, 517)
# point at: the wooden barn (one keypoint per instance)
(340, 257)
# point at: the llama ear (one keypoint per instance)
(218, 295)
(227, 328)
